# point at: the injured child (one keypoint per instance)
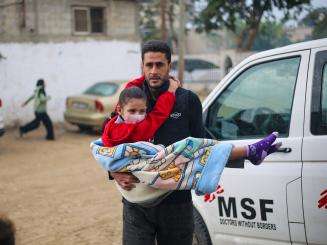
(191, 163)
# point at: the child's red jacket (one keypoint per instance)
(118, 133)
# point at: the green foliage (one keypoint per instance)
(317, 19)
(150, 19)
(148, 26)
(220, 14)
(271, 35)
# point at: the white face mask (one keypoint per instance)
(134, 118)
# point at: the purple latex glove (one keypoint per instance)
(258, 151)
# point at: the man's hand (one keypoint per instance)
(174, 84)
(125, 180)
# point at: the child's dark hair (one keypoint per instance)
(40, 83)
(7, 231)
(131, 93)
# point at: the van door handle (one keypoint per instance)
(284, 150)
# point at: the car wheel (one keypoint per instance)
(201, 235)
(84, 128)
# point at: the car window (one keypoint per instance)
(319, 95)
(194, 64)
(202, 64)
(190, 65)
(102, 89)
(174, 65)
(257, 102)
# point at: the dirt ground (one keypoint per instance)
(55, 192)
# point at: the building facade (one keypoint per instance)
(68, 20)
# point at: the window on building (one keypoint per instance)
(88, 20)
(96, 16)
(80, 20)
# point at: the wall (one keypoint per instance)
(52, 20)
(10, 20)
(124, 19)
(68, 68)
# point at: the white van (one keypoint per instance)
(2, 126)
(284, 200)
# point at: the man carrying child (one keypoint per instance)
(170, 221)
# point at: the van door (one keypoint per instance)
(259, 202)
(314, 182)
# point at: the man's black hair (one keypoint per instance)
(156, 46)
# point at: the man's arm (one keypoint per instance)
(195, 116)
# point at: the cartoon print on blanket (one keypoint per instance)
(191, 163)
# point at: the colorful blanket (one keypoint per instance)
(191, 163)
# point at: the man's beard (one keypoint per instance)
(158, 84)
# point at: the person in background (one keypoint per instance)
(7, 231)
(40, 109)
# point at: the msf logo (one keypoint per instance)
(322, 203)
(228, 208)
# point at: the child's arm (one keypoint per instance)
(144, 130)
(147, 128)
(138, 82)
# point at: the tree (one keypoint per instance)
(220, 14)
(271, 35)
(148, 26)
(158, 19)
(317, 19)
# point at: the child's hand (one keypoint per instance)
(174, 84)
(125, 180)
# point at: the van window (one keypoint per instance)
(257, 102)
(319, 95)
(324, 97)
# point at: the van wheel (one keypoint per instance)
(201, 235)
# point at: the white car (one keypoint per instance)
(283, 200)
(2, 126)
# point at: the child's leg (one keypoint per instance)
(256, 152)
(259, 150)
(238, 152)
